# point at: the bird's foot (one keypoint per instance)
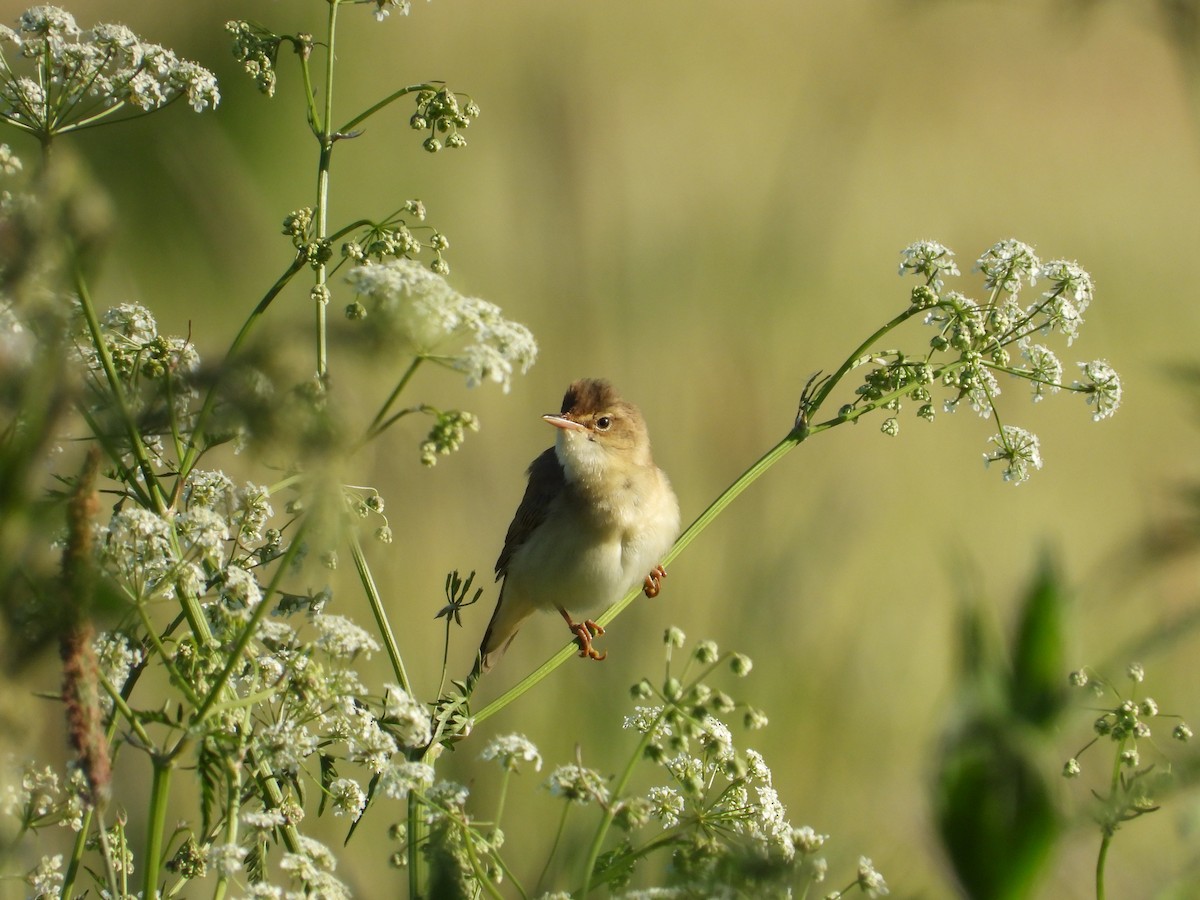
(584, 632)
(654, 581)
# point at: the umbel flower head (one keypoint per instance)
(431, 320)
(978, 342)
(80, 78)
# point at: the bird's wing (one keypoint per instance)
(545, 482)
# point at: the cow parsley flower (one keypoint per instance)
(930, 260)
(347, 798)
(1007, 265)
(1102, 388)
(407, 716)
(89, 77)
(430, 319)
(578, 784)
(1019, 450)
(510, 750)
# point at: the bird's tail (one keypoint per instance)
(506, 620)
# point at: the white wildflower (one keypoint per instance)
(347, 798)
(930, 260)
(1008, 265)
(578, 784)
(1103, 388)
(667, 805)
(408, 717)
(1019, 449)
(510, 750)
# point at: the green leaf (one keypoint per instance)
(995, 813)
(1038, 687)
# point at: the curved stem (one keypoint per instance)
(192, 453)
(611, 810)
(390, 98)
(377, 425)
(157, 497)
(1100, 859)
(234, 655)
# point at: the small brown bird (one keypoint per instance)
(596, 519)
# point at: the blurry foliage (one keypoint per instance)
(995, 809)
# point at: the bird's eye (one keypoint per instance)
(603, 423)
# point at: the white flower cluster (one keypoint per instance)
(429, 319)
(510, 750)
(984, 334)
(83, 77)
(153, 556)
(578, 784)
(39, 798)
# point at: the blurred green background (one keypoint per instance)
(705, 203)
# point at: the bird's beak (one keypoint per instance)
(564, 423)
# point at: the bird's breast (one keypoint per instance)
(586, 555)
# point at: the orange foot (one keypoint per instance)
(584, 632)
(654, 581)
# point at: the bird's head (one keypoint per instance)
(599, 434)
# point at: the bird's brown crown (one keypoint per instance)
(589, 395)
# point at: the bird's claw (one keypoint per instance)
(584, 632)
(653, 582)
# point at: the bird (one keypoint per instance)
(595, 520)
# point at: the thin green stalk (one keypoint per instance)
(157, 497)
(562, 827)
(416, 836)
(325, 162)
(610, 811)
(110, 872)
(233, 792)
(1108, 828)
(77, 851)
(380, 614)
(481, 875)
(155, 826)
(375, 426)
(390, 98)
(188, 459)
(503, 795)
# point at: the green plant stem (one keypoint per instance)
(562, 827)
(389, 99)
(481, 875)
(233, 790)
(157, 497)
(416, 836)
(380, 614)
(1107, 828)
(610, 810)
(110, 872)
(325, 161)
(156, 824)
(376, 426)
(77, 851)
(192, 453)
